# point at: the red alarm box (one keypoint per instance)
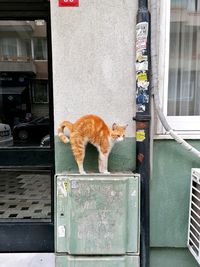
(63, 3)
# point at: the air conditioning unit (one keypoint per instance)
(194, 215)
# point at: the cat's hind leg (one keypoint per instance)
(78, 149)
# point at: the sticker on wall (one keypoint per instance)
(141, 45)
(61, 231)
(68, 3)
(141, 66)
(142, 76)
(74, 184)
(140, 136)
(143, 84)
(141, 36)
(142, 98)
(61, 189)
(66, 185)
(141, 57)
(142, 30)
(140, 108)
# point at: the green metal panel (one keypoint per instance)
(69, 261)
(169, 193)
(122, 157)
(97, 214)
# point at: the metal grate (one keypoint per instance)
(194, 215)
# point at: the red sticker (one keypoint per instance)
(62, 3)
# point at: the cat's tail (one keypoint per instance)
(61, 134)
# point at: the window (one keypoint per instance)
(40, 48)
(180, 56)
(8, 47)
(15, 49)
(24, 91)
(40, 91)
(25, 48)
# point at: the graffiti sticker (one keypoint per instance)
(142, 30)
(141, 66)
(141, 76)
(140, 136)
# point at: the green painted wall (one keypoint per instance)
(169, 193)
(169, 203)
(122, 157)
(167, 257)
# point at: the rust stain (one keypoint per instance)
(142, 125)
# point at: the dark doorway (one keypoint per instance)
(26, 128)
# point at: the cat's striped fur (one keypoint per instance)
(92, 129)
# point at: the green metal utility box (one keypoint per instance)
(97, 215)
(120, 261)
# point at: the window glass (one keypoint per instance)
(184, 59)
(40, 91)
(25, 48)
(8, 47)
(40, 48)
(24, 92)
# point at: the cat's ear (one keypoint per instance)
(114, 126)
(125, 126)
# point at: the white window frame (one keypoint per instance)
(185, 125)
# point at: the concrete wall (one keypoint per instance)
(93, 60)
(93, 69)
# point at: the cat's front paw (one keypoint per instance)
(106, 172)
(83, 173)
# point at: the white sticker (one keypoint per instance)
(61, 231)
(141, 66)
(142, 29)
(61, 189)
(141, 36)
(143, 84)
(74, 184)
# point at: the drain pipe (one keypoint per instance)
(143, 118)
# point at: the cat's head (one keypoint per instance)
(118, 132)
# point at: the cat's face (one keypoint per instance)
(118, 132)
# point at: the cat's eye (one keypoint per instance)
(118, 135)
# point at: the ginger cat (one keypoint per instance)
(91, 129)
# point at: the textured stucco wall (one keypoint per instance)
(93, 60)
(93, 72)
